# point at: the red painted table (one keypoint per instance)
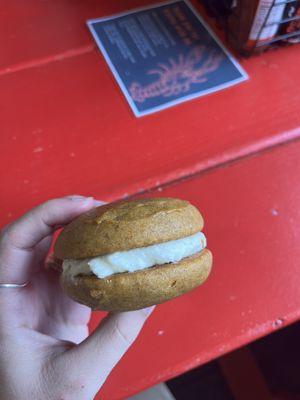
(252, 217)
(66, 128)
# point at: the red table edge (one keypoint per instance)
(234, 344)
(39, 62)
(233, 155)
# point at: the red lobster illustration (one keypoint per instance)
(175, 78)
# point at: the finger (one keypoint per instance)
(65, 319)
(41, 251)
(101, 351)
(39, 222)
(18, 240)
(53, 263)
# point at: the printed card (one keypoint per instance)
(164, 54)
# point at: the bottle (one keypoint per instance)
(266, 21)
(249, 23)
(292, 10)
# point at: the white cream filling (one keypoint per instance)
(137, 259)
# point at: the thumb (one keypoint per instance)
(94, 358)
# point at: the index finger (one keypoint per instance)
(18, 240)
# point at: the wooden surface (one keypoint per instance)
(65, 125)
(66, 128)
(252, 217)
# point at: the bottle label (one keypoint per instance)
(292, 10)
(267, 13)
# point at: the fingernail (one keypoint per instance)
(77, 197)
(148, 310)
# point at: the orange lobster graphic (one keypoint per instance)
(175, 78)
